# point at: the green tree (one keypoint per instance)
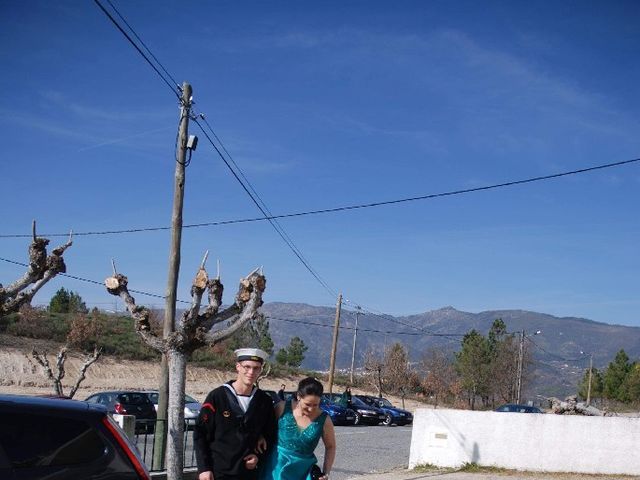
(631, 385)
(282, 357)
(76, 305)
(60, 301)
(293, 354)
(615, 376)
(474, 366)
(64, 301)
(296, 352)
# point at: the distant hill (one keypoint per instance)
(559, 365)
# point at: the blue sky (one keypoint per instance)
(329, 104)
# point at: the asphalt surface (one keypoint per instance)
(363, 449)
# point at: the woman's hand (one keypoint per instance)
(325, 476)
(250, 461)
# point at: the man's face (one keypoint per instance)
(248, 371)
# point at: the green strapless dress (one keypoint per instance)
(293, 457)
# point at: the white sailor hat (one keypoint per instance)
(254, 354)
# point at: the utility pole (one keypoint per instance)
(334, 345)
(589, 386)
(353, 350)
(174, 271)
(520, 362)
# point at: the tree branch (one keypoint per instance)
(248, 300)
(41, 269)
(117, 285)
(87, 363)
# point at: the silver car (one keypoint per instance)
(191, 407)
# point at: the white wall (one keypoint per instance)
(522, 441)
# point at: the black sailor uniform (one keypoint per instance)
(224, 434)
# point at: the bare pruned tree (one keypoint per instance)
(59, 373)
(41, 269)
(82, 333)
(194, 330)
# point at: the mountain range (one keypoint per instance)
(560, 346)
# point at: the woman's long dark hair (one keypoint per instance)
(309, 386)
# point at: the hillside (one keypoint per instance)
(20, 375)
(556, 350)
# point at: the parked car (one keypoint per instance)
(339, 414)
(516, 408)
(191, 407)
(63, 439)
(366, 414)
(128, 403)
(392, 414)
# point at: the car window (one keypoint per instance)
(133, 398)
(189, 399)
(32, 440)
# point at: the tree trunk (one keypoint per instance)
(175, 414)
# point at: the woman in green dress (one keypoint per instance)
(301, 425)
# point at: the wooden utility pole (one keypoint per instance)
(334, 344)
(520, 362)
(589, 387)
(353, 350)
(174, 270)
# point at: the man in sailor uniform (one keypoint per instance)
(231, 421)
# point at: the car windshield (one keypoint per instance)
(189, 399)
(385, 403)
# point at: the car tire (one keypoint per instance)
(387, 420)
(358, 419)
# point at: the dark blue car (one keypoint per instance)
(392, 415)
(339, 414)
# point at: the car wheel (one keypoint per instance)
(387, 419)
(358, 419)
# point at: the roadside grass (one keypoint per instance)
(475, 468)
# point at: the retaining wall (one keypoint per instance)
(521, 441)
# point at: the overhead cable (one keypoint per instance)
(343, 208)
(173, 88)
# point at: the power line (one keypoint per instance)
(271, 220)
(344, 327)
(266, 214)
(346, 207)
(173, 88)
(94, 282)
(390, 318)
(144, 45)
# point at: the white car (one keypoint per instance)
(191, 407)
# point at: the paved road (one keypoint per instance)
(363, 449)
(360, 450)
